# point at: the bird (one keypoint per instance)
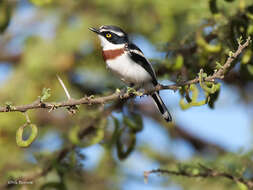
(125, 60)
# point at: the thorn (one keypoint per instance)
(52, 108)
(122, 93)
(64, 87)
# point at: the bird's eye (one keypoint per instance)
(108, 35)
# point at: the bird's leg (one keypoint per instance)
(138, 89)
(132, 88)
(122, 92)
(141, 91)
(125, 90)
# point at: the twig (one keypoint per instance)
(102, 100)
(208, 172)
(27, 117)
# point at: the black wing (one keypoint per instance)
(137, 55)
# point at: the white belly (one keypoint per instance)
(128, 71)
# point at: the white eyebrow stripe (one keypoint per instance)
(118, 33)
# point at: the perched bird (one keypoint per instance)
(127, 62)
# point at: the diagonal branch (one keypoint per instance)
(219, 74)
(206, 173)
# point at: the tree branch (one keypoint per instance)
(12, 59)
(219, 74)
(206, 173)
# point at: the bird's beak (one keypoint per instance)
(94, 30)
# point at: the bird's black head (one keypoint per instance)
(111, 35)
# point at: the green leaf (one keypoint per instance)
(239, 40)
(123, 150)
(134, 122)
(242, 186)
(250, 29)
(213, 6)
(218, 65)
(184, 105)
(195, 171)
(46, 93)
(179, 62)
(5, 15)
(94, 137)
(134, 91)
(41, 2)
(208, 87)
(194, 99)
(230, 54)
(246, 57)
(115, 132)
(9, 105)
(195, 92)
(130, 90)
(250, 69)
(73, 135)
(212, 98)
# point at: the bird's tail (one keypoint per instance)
(161, 106)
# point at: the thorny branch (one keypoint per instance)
(219, 74)
(206, 173)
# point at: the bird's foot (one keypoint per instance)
(141, 93)
(121, 92)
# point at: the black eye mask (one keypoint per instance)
(115, 39)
